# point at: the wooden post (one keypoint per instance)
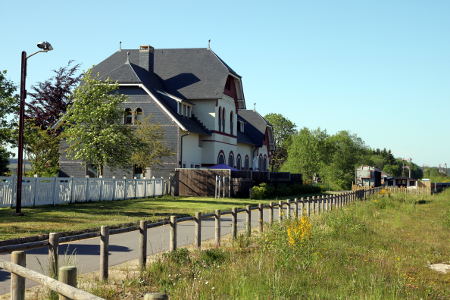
(296, 208)
(67, 275)
(198, 229)
(313, 205)
(18, 282)
(308, 206)
(53, 244)
(142, 244)
(280, 211)
(249, 220)
(156, 296)
(261, 217)
(302, 206)
(173, 233)
(217, 227)
(319, 204)
(271, 213)
(104, 244)
(234, 222)
(288, 208)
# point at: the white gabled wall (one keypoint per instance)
(192, 153)
(205, 111)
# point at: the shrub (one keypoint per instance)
(264, 190)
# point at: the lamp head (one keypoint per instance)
(45, 46)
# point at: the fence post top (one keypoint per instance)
(198, 214)
(217, 211)
(260, 205)
(173, 218)
(68, 268)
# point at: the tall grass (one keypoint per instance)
(379, 249)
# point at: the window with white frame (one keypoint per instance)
(184, 109)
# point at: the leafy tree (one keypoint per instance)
(49, 99)
(346, 151)
(92, 128)
(4, 161)
(8, 105)
(283, 129)
(150, 148)
(43, 150)
(306, 153)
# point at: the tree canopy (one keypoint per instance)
(9, 102)
(49, 99)
(92, 126)
(283, 129)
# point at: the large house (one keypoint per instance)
(199, 102)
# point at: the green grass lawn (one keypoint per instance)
(82, 216)
(378, 249)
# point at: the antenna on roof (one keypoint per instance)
(128, 57)
(254, 106)
(209, 44)
(120, 46)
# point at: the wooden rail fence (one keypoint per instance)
(298, 206)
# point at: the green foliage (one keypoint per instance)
(306, 153)
(9, 104)
(272, 191)
(283, 129)
(4, 161)
(43, 150)
(92, 125)
(150, 147)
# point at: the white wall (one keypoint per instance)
(192, 153)
(206, 112)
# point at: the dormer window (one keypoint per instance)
(184, 109)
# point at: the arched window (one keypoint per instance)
(223, 119)
(238, 162)
(221, 158)
(260, 162)
(231, 159)
(220, 118)
(138, 115)
(247, 163)
(231, 122)
(128, 116)
(265, 163)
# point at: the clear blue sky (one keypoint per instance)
(380, 69)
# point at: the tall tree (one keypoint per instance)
(150, 147)
(8, 108)
(283, 129)
(92, 128)
(42, 146)
(346, 152)
(307, 153)
(49, 99)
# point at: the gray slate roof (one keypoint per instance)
(196, 73)
(185, 73)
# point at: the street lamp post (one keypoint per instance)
(45, 47)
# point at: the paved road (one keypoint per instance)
(123, 247)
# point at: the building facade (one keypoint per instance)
(198, 101)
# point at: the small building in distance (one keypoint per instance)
(367, 176)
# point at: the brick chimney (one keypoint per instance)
(146, 57)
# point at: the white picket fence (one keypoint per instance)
(38, 191)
